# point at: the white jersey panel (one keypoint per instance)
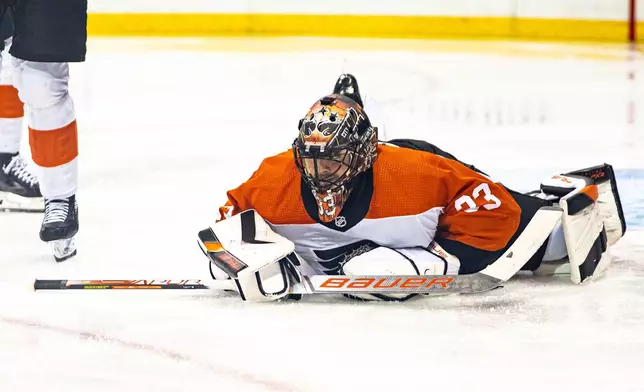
(393, 232)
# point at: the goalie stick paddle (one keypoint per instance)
(519, 253)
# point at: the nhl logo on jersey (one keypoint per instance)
(340, 221)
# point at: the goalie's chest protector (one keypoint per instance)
(404, 201)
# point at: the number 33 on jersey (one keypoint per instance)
(469, 201)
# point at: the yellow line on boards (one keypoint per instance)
(358, 26)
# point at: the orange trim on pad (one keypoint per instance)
(591, 191)
(10, 105)
(213, 246)
(56, 147)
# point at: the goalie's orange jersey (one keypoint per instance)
(411, 197)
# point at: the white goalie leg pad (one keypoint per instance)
(610, 212)
(586, 242)
(583, 225)
(610, 205)
(408, 261)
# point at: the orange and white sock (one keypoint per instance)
(53, 133)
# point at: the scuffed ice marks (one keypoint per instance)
(108, 349)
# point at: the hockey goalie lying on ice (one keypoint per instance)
(349, 205)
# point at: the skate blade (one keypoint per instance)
(63, 249)
(15, 203)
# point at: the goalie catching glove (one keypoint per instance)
(262, 264)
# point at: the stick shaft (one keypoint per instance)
(142, 284)
(316, 284)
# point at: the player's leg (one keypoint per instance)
(18, 186)
(591, 221)
(49, 35)
(53, 140)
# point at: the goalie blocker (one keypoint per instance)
(262, 263)
(590, 219)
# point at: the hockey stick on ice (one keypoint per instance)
(515, 257)
(316, 284)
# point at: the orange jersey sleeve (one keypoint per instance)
(273, 191)
(229, 209)
(476, 211)
(479, 212)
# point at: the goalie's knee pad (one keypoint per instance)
(408, 261)
(41, 85)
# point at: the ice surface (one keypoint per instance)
(166, 126)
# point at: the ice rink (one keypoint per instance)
(167, 126)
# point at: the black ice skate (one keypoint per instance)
(19, 189)
(59, 227)
(347, 85)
